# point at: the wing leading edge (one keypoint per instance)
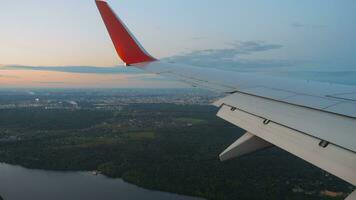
(311, 120)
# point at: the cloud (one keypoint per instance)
(76, 69)
(233, 57)
(199, 38)
(308, 26)
(230, 57)
(150, 77)
(8, 76)
(51, 82)
(297, 25)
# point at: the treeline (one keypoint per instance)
(146, 145)
(48, 119)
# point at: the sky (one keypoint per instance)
(245, 35)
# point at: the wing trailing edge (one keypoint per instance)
(322, 153)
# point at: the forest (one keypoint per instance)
(165, 147)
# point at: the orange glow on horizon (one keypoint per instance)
(49, 79)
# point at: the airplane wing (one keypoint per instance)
(314, 121)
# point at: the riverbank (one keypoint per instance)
(55, 185)
(164, 147)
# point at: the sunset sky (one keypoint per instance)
(239, 34)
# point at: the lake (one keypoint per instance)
(18, 183)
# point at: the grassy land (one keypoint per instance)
(189, 121)
(158, 146)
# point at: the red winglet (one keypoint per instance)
(127, 47)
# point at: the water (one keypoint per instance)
(18, 183)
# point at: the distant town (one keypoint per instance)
(167, 140)
(107, 99)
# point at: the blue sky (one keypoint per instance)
(243, 34)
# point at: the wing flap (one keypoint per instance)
(336, 129)
(332, 158)
(246, 144)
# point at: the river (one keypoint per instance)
(18, 183)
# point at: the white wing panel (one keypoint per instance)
(272, 93)
(345, 108)
(331, 158)
(347, 96)
(336, 129)
(311, 101)
(304, 93)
